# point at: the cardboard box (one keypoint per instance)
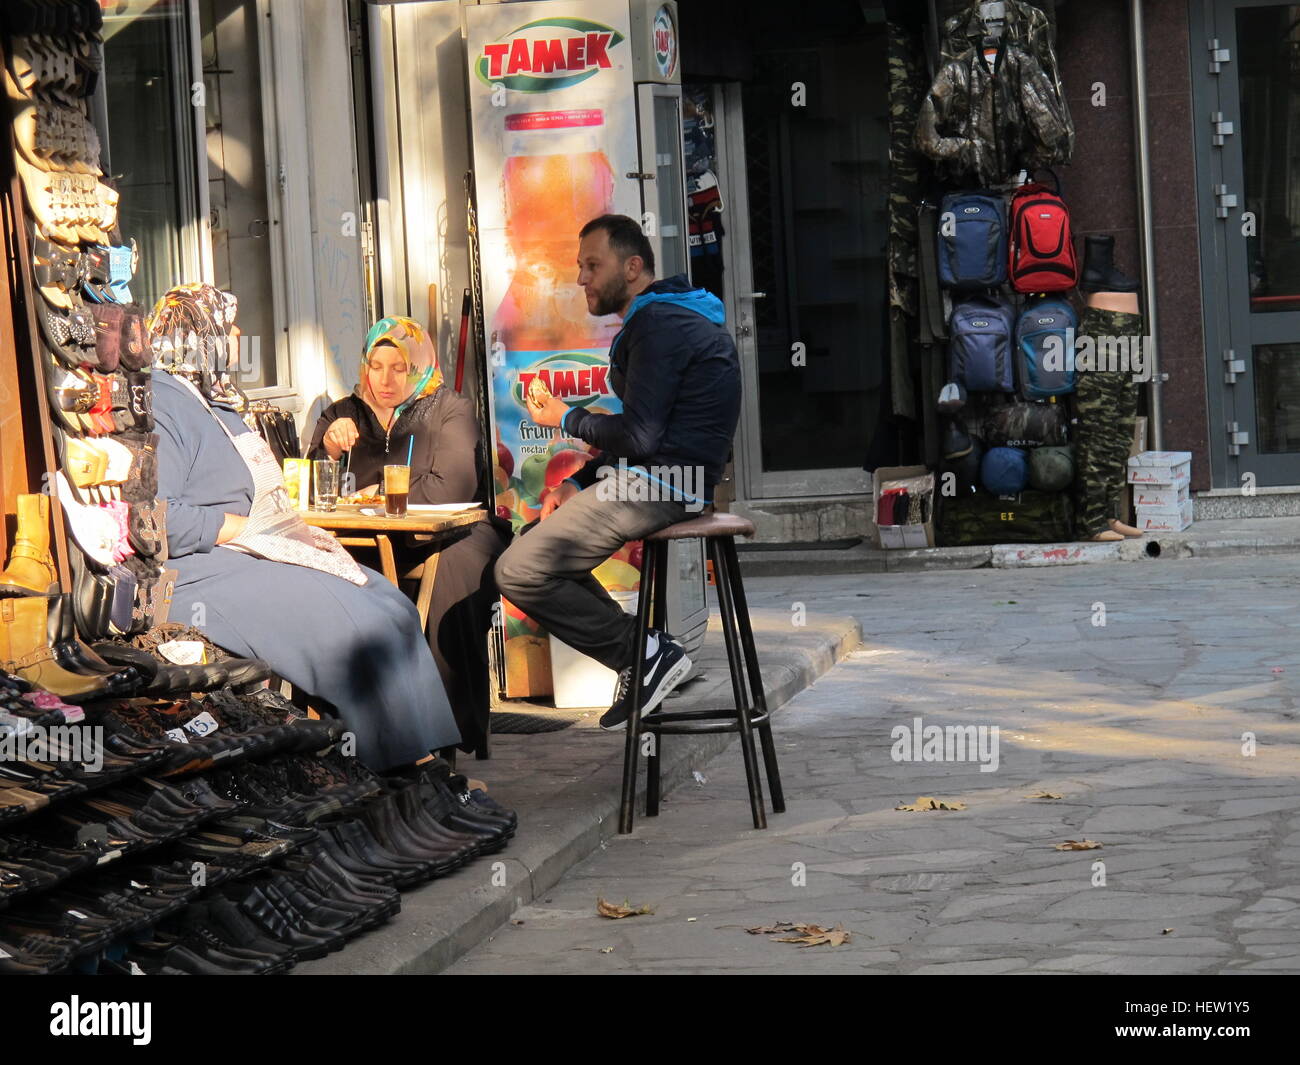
(1164, 496)
(901, 536)
(1161, 520)
(1136, 446)
(1160, 467)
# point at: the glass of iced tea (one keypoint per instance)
(397, 485)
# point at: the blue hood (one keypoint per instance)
(678, 290)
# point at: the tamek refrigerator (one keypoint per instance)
(576, 111)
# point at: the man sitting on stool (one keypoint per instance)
(674, 366)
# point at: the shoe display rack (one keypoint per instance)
(155, 818)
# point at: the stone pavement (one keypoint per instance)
(1140, 725)
(565, 786)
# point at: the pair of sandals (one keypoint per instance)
(110, 469)
(69, 208)
(95, 404)
(51, 133)
(104, 336)
(102, 272)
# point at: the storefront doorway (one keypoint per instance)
(1248, 134)
(803, 173)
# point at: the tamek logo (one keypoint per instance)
(575, 376)
(548, 54)
(971, 210)
(1046, 321)
(665, 41)
(980, 325)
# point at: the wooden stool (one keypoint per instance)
(750, 710)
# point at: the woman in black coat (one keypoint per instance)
(400, 407)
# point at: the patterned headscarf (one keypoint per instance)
(189, 332)
(423, 378)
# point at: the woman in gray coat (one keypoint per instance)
(258, 582)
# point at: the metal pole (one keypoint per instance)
(1147, 245)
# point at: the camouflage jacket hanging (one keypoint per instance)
(981, 125)
(1029, 29)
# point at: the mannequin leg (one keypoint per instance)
(1107, 407)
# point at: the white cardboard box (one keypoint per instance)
(1161, 495)
(1162, 520)
(1160, 467)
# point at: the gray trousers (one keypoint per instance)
(547, 571)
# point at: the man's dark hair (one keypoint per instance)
(625, 237)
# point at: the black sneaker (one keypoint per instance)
(663, 672)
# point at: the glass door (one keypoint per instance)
(1256, 199)
(811, 151)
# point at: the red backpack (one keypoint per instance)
(1041, 245)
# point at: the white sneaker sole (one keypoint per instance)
(671, 679)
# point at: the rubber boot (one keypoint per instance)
(1099, 273)
(31, 569)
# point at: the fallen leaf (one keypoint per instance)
(1044, 795)
(1165, 931)
(780, 926)
(614, 911)
(690, 919)
(1078, 845)
(607, 950)
(925, 802)
(817, 936)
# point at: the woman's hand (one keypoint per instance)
(231, 528)
(340, 437)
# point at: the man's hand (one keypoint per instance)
(340, 437)
(558, 496)
(547, 411)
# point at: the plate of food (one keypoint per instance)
(359, 499)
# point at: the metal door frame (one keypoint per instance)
(1232, 331)
(738, 283)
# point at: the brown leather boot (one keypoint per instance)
(25, 649)
(31, 568)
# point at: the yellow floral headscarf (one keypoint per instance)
(423, 378)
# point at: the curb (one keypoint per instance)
(1151, 548)
(446, 918)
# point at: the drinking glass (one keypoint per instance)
(397, 485)
(325, 477)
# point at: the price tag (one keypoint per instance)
(177, 734)
(203, 724)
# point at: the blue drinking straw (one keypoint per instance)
(410, 450)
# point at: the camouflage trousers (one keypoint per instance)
(1106, 401)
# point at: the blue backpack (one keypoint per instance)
(1045, 349)
(974, 256)
(981, 340)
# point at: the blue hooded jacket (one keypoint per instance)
(674, 366)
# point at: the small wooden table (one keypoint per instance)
(374, 530)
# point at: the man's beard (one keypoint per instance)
(612, 298)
